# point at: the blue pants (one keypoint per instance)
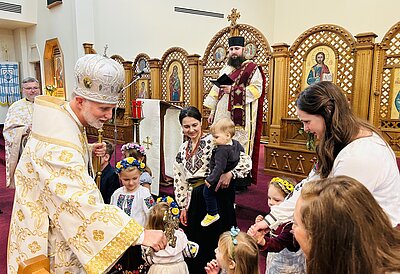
(210, 198)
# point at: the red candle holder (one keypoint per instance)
(137, 110)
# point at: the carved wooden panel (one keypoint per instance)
(180, 57)
(291, 132)
(291, 162)
(337, 39)
(122, 101)
(256, 46)
(124, 133)
(390, 88)
(391, 133)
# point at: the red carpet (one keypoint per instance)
(249, 204)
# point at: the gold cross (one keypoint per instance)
(147, 142)
(233, 16)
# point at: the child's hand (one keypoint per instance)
(257, 235)
(212, 267)
(259, 218)
(207, 184)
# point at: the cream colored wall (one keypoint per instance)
(28, 12)
(293, 17)
(7, 42)
(58, 22)
(153, 26)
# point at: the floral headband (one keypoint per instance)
(129, 162)
(285, 185)
(137, 147)
(234, 232)
(173, 206)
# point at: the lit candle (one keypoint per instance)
(55, 81)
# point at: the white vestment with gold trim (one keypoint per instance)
(58, 210)
(15, 132)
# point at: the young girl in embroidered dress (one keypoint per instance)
(136, 201)
(165, 216)
(237, 253)
(138, 152)
(283, 255)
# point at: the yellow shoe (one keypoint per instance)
(209, 219)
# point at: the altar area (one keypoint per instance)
(367, 71)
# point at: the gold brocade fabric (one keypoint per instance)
(58, 210)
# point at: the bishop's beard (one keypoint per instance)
(236, 62)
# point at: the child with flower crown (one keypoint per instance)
(138, 152)
(237, 253)
(283, 255)
(165, 216)
(136, 201)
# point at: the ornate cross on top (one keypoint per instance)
(147, 142)
(105, 50)
(233, 17)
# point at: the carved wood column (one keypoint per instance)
(363, 74)
(196, 93)
(128, 92)
(279, 93)
(376, 86)
(155, 78)
(88, 48)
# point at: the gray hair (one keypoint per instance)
(30, 80)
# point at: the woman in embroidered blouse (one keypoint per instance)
(190, 170)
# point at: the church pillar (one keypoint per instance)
(196, 92)
(376, 82)
(362, 92)
(155, 78)
(88, 48)
(128, 92)
(279, 93)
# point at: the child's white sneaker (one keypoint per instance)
(209, 219)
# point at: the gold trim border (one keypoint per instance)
(114, 249)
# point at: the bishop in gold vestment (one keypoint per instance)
(58, 210)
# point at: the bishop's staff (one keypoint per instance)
(98, 162)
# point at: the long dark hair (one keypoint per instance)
(341, 125)
(189, 111)
(349, 233)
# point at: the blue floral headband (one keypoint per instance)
(234, 232)
(129, 162)
(173, 206)
(137, 147)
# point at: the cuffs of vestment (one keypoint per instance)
(140, 239)
(271, 221)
